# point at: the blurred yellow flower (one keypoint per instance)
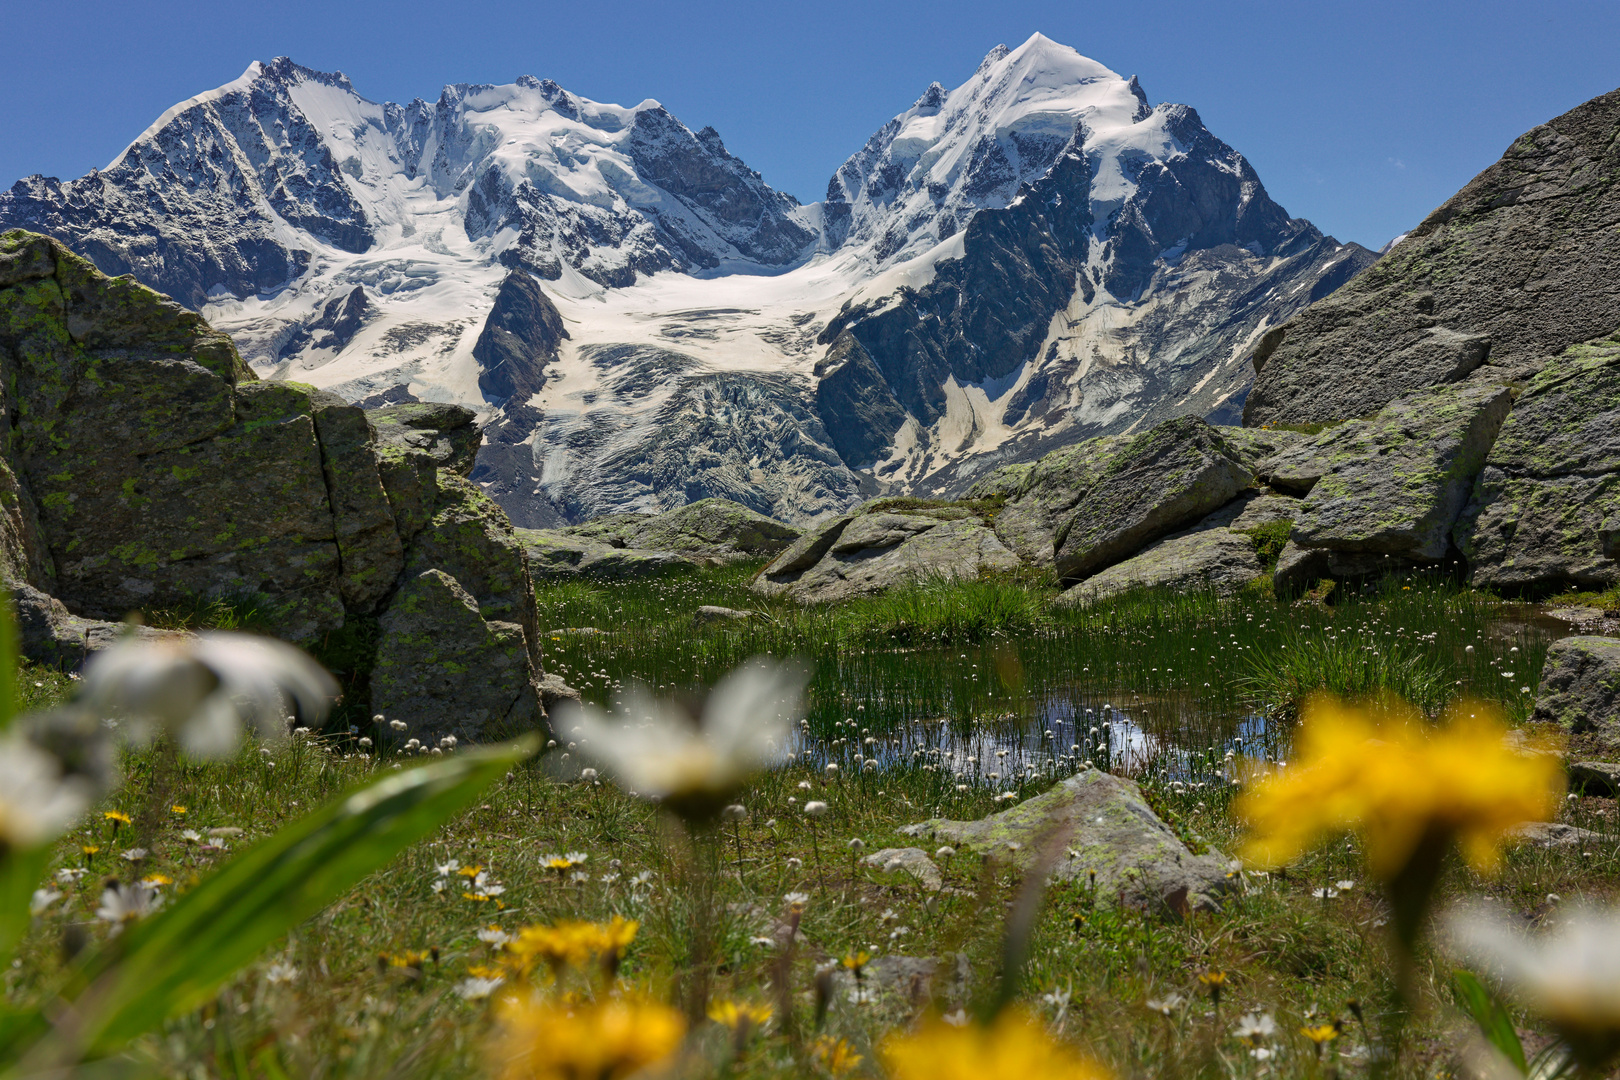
(1011, 1048)
(1384, 772)
(570, 944)
(607, 1040)
(835, 1057)
(117, 817)
(742, 1018)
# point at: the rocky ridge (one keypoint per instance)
(144, 467)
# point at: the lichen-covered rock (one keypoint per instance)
(446, 670)
(1150, 486)
(1203, 560)
(24, 555)
(911, 861)
(472, 540)
(1552, 479)
(370, 552)
(704, 533)
(410, 479)
(1041, 496)
(1251, 446)
(1104, 827)
(1514, 268)
(876, 550)
(1397, 484)
(1580, 686)
(444, 432)
(47, 633)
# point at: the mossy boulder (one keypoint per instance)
(1396, 484)
(1216, 560)
(446, 669)
(444, 432)
(708, 532)
(876, 548)
(1514, 268)
(1541, 513)
(1580, 686)
(1105, 828)
(1040, 496)
(1146, 488)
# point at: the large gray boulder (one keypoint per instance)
(1514, 268)
(709, 532)
(446, 433)
(1148, 487)
(1100, 825)
(1217, 560)
(1580, 686)
(430, 638)
(1541, 514)
(1396, 484)
(877, 548)
(1040, 496)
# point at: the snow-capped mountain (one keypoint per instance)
(1031, 258)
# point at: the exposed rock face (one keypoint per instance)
(49, 634)
(520, 337)
(705, 533)
(432, 637)
(145, 467)
(1541, 511)
(1159, 481)
(909, 860)
(334, 328)
(1103, 827)
(875, 549)
(1514, 268)
(1580, 686)
(856, 406)
(445, 433)
(1214, 560)
(1395, 485)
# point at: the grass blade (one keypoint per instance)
(1493, 1020)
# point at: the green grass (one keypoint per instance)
(932, 672)
(243, 610)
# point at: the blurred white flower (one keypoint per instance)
(37, 802)
(203, 689)
(1255, 1028)
(694, 767)
(280, 972)
(1569, 975)
(42, 900)
(494, 936)
(122, 904)
(815, 808)
(476, 989)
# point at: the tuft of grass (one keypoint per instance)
(248, 610)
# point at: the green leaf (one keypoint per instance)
(20, 872)
(175, 960)
(1493, 1019)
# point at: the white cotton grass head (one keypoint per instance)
(693, 766)
(1569, 975)
(204, 689)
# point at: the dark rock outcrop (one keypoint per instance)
(331, 331)
(1580, 686)
(855, 404)
(709, 532)
(1513, 269)
(520, 337)
(1542, 512)
(145, 468)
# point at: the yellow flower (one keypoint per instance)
(89, 850)
(732, 1014)
(570, 944)
(156, 880)
(470, 871)
(607, 1040)
(1010, 1048)
(1384, 772)
(1320, 1033)
(117, 817)
(177, 809)
(857, 961)
(835, 1057)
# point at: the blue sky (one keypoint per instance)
(1360, 116)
